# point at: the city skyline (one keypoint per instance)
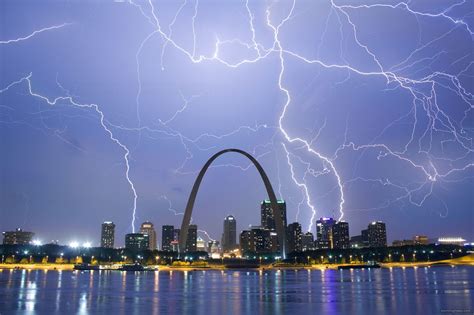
(120, 134)
(328, 234)
(237, 157)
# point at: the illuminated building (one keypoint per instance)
(324, 236)
(17, 237)
(107, 238)
(191, 242)
(267, 219)
(137, 241)
(377, 234)
(257, 240)
(340, 235)
(229, 236)
(451, 241)
(266, 214)
(246, 243)
(200, 245)
(420, 240)
(294, 237)
(147, 228)
(213, 247)
(175, 245)
(307, 241)
(167, 236)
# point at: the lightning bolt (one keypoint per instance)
(95, 108)
(431, 173)
(417, 153)
(33, 34)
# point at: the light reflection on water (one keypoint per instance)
(376, 291)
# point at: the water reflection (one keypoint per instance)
(375, 291)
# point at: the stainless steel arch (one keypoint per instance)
(280, 229)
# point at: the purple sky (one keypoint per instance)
(363, 112)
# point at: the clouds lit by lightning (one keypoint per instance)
(438, 149)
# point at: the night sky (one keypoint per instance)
(354, 110)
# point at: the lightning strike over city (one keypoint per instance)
(352, 111)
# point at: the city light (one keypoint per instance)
(87, 245)
(74, 244)
(36, 242)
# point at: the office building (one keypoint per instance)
(17, 237)
(107, 238)
(377, 234)
(307, 241)
(191, 242)
(246, 244)
(256, 240)
(147, 228)
(262, 240)
(229, 236)
(167, 236)
(137, 241)
(267, 219)
(340, 235)
(294, 237)
(324, 235)
(266, 214)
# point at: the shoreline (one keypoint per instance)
(70, 267)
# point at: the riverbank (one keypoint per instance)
(467, 260)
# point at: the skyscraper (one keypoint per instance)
(147, 228)
(191, 242)
(307, 241)
(377, 234)
(261, 239)
(340, 235)
(246, 243)
(293, 239)
(136, 241)
(229, 236)
(167, 236)
(266, 215)
(256, 240)
(267, 219)
(107, 237)
(324, 233)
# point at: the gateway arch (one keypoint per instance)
(280, 229)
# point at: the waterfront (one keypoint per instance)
(435, 290)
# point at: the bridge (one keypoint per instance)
(280, 229)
